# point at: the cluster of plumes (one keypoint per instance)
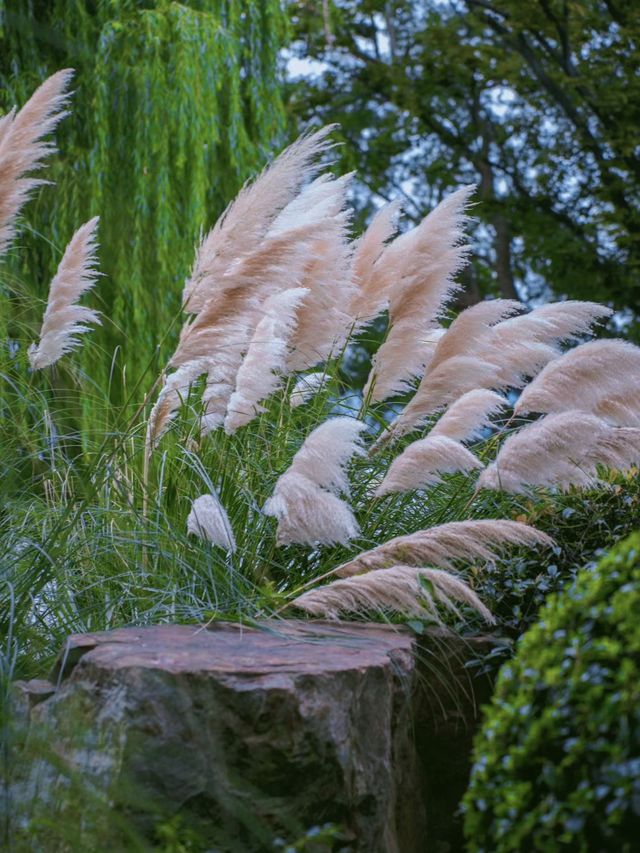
(278, 287)
(443, 452)
(392, 576)
(23, 149)
(591, 401)
(270, 292)
(306, 499)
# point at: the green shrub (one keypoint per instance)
(557, 763)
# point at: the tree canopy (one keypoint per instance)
(537, 102)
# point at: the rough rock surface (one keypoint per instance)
(245, 734)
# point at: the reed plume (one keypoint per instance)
(443, 545)
(522, 346)
(439, 388)
(472, 328)
(552, 323)
(305, 498)
(176, 388)
(221, 332)
(63, 318)
(422, 462)
(421, 592)
(208, 520)
(560, 451)
(322, 199)
(264, 366)
(22, 148)
(324, 322)
(422, 264)
(469, 415)
(373, 289)
(600, 377)
(309, 515)
(247, 219)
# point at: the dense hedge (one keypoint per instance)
(557, 763)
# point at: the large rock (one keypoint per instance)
(232, 737)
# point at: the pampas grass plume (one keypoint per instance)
(262, 370)
(305, 498)
(422, 462)
(208, 520)
(63, 318)
(600, 377)
(306, 386)
(422, 263)
(443, 545)
(469, 415)
(398, 589)
(560, 451)
(22, 148)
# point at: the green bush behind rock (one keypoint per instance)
(557, 762)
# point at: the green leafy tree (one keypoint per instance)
(537, 102)
(176, 103)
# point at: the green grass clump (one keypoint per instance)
(557, 763)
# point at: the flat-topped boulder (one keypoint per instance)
(236, 736)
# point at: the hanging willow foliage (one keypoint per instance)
(175, 105)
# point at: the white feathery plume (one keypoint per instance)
(222, 330)
(308, 515)
(63, 318)
(372, 294)
(305, 498)
(306, 386)
(262, 370)
(601, 377)
(439, 388)
(215, 400)
(522, 346)
(248, 218)
(469, 415)
(321, 199)
(517, 362)
(422, 462)
(552, 323)
(443, 545)
(326, 452)
(230, 314)
(208, 519)
(531, 341)
(471, 328)
(422, 264)
(427, 345)
(560, 451)
(324, 321)
(22, 148)
(401, 589)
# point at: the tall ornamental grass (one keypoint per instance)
(247, 480)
